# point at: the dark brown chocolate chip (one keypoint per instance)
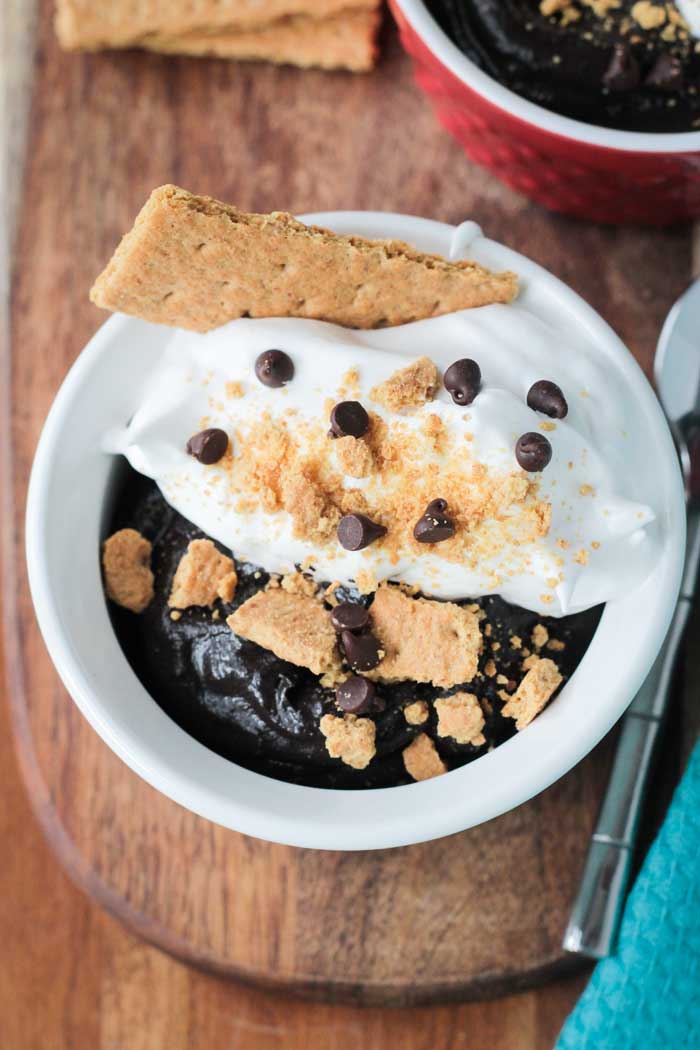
(361, 650)
(357, 531)
(533, 452)
(463, 379)
(274, 368)
(349, 616)
(435, 525)
(208, 446)
(544, 396)
(348, 419)
(623, 72)
(356, 696)
(666, 73)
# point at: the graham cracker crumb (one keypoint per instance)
(329, 593)
(416, 713)
(555, 645)
(175, 615)
(234, 389)
(227, 587)
(422, 760)
(297, 583)
(314, 517)
(461, 718)
(408, 387)
(295, 627)
(354, 456)
(533, 693)
(351, 739)
(540, 636)
(366, 581)
(516, 642)
(423, 640)
(530, 661)
(648, 15)
(200, 572)
(489, 669)
(126, 560)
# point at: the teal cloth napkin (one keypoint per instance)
(647, 996)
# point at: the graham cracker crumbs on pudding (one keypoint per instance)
(540, 636)
(126, 560)
(200, 572)
(297, 583)
(295, 627)
(423, 640)
(536, 688)
(416, 713)
(354, 456)
(461, 718)
(648, 15)
(422, 760)
(555, 645)
(351, 739)
(227, 587)
(408, 387)
(366, 582)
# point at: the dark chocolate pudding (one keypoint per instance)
(262, 712)
(631, 66)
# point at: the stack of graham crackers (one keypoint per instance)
(329, 34)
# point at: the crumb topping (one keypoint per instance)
(416, 713)
(422, 760)
(408, 387)
(460, 717)
(126, 561)
(351, 739)
(354, 456)
(200, 573)
(533, 693)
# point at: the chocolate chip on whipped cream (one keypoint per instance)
(545, 396)
(274, 368)
(533, 452)
(208, 446)
(462, 381)
(357, 531)
(434, 526)
(349, 419)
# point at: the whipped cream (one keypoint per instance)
(600, 542)
(690, 10)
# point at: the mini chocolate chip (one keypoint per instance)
(623, 72)
(666, 73)
(361, 650)
(274, 368)
(463, 379)
(349, 616)
(348, 419)
(434, 526)
(544, 396)
(357, 531)
(208, 446)
(356, 695)
(533, 452)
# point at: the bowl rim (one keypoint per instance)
(417, 15)
(326, 818)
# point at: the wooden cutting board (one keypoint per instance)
(476, 914)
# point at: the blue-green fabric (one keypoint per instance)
(647, 996)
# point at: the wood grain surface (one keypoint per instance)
(477, 912)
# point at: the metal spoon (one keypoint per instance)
(595, 916)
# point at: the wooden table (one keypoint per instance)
(71, 976)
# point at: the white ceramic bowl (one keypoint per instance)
(67, 511)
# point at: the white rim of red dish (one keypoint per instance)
(469, 73)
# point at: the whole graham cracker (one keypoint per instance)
(94, 24)
(193, 262)
(346, 40)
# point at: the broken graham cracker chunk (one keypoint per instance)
(416, 713)
(422, 760)
(203, 574)
(295, 627)
(424, 640)
(94, 24)
(351, 739)
(460, 717)
(408, 387)
(193, 262)
(354, 456)
(346, 39)
(533, 693)
(126, 561)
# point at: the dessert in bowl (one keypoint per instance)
(385, 608)
(587, 106)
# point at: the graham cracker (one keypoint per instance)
(193, 262)
(346, 40)
(94, 24)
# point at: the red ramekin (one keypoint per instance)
(580, 169)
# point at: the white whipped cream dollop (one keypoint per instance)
(690, 10)
(600, 543)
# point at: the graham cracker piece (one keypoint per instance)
(422, 760)
(416, 713)
(95, 24)
(424, 641)
(351, 739)
(538, 685)
(345, 40)
(354, 456)
(408, 387)
(200, 573)
(226, 587)
(295, 627)
(193, 262)
(460, 717)
(314, 516)
(126, 561)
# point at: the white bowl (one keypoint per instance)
(67, 511)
